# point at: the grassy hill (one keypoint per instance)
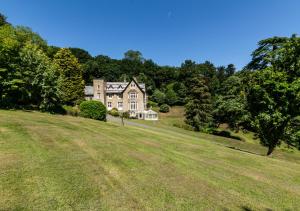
(52, 162)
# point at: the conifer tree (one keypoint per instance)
(198, 108)
(70, 82)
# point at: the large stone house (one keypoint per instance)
(125, 96)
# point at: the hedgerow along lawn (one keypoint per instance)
(53, 162)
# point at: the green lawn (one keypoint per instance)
(52, 162)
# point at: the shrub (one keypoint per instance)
(72, 111)
(114, 112)
(93, 109)
(164, 108)
(125, 115)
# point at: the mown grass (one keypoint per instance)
(52, 162)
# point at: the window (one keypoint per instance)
(133, 106)
(132, 95)
(119, 96)
(110, 96)
(120, 105)
(132, 85)
(98, 86)
(109, 105)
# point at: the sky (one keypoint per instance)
(166, 31)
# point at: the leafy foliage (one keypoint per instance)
(164, 108)
(70, 82)
(93, 109)
(114, 112)
(198, 108)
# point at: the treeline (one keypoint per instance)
(165, 84)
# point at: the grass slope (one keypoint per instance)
(50, 162)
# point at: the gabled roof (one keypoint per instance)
(138, 85)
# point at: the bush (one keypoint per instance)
(72, 111)
(164, 108)
(125, 115)
(114, 112)
(93, 109)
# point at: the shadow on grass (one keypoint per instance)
(242, 150)
(245, 208)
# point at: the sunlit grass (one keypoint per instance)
(52, 162)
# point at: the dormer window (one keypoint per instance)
(110, 96)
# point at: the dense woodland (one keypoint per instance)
(264, 97)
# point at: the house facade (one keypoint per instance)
(125, 96)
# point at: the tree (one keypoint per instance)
(230, 70)
(82, 55)
(3, 20)
(180, 90)
(159, 97)
(133, 55)
(171, 96)
(41, 74)
(262, 57)
(230, 104)
(274, 93)
(70, 82)
(198, 108)
(272, 102)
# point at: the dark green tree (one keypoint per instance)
(272, 102)
(3, 20)
(274, 94)
(133, 55)
(82, 55)
(198, 108)
(230, 70)
(230, 104)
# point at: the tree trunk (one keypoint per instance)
(270, 150)
(122, 118)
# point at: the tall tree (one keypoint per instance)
(230, 104)
(198, 108)
(133, 55)
(2, 20)
(263, 56)
(230, 70)
(274, 94)
(70, 83)
(273, 103)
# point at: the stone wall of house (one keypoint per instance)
(114, 100)
(99, 90)
(132, 87)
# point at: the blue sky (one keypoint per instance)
(167, 31)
